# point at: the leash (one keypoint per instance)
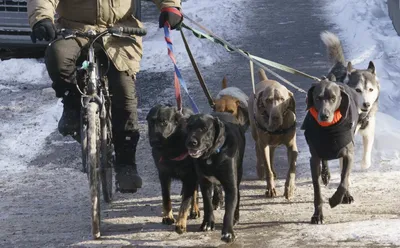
(178, 80)
(198, 74)
(255, 59)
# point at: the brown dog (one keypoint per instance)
(273, 123)
(235, 101)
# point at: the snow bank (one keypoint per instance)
(367, 33)
(23, 71)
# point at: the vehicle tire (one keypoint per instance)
(93, 161)
(107, 160)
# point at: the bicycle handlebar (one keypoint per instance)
(129, 31)
(114, 31)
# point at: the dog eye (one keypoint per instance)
(371, 89)
(333, 99)
(358, 90)
(163, 123)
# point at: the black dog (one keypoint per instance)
(329, 131)
(167, 136)
(217, 142)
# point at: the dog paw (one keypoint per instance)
(326, 177)
(269, 193)
(194, 214)
(180, 229)
(335, 200)
(218, 200)
(228, 237)
(261, 172)
(347, 199)
(365, 164)
(168, 220)
(207, 226)
(289, 192)
(338, 196)
(317, 219)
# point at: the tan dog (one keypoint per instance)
(273, 123)
(235, 101)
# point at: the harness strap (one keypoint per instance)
(178, 80)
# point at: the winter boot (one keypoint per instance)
(127, 179)
(69, 122)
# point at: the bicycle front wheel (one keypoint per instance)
(92, 162)
(107, 159)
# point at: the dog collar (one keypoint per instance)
(179, 158)
(336, 118)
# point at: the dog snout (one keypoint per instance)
(366, 104)
(323, 117)
(275, 118)
(193, 142)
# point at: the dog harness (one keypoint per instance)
(279, 131)
(336, 118)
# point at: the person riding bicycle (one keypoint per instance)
(61, 57)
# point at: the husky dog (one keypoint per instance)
(366, 84)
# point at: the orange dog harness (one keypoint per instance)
(336, 118)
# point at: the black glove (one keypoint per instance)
(171, 15)
(43, 30)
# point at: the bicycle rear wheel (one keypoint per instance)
(92, 162)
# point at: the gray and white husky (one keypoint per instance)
(366, 84)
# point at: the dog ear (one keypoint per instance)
(153, 111)
(309, 98)
(345, 103)
(350, 68)
(371, 67)
(292, 103)
(224, 83)
(331, 77)
(219, 138)
(238, 103)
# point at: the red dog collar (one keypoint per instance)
(179, 158)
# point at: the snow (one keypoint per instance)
(206, 53)
(24, 138)
(23, 71)
(383, 231)
(367, 34)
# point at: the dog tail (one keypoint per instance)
(224, 83)
(262, 75)
(333, 46)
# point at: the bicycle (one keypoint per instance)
(95, 123)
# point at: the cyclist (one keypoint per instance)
(61, 57)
